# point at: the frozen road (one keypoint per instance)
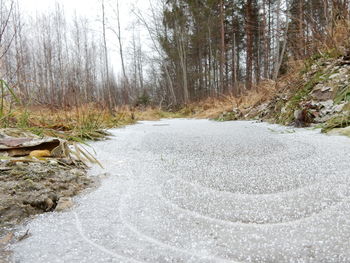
(203, 191)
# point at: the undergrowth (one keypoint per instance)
(337, 122)
(88, 122)
(277, 100)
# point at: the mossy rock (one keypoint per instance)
(347, 107)
(337, 122)
(340, 131)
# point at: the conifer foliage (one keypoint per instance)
(202, 48)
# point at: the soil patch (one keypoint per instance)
(27, 189)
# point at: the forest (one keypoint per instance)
(200, 49)
(240, 148)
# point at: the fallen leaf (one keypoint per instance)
(40, 153)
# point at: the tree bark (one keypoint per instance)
(222, 47)
(249, 32)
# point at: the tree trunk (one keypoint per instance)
(107, 86)
(249, 60)
(222, 47)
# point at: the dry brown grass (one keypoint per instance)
(85, 122)
(213, 107)
(210, 108)
(337, 37)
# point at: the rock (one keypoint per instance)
(297, 113)
(49, 204)
(66, 161)
(42, 203)
(343, 70)
(16, 133)
(77, 172)
(64, 203)
(327, 89)
(262, 109)
(340, 131)
(321, 92)
(322, 119)
(346, 57)
(14, 142)
(53, 162)
(227, 116)
(338, 108)
(322, 110)
(237, 112)
(314, 67)
(302, 118)
(61, 151)
(334, 76)
(328, 104)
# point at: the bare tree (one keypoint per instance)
(108, 87)
(155, 35)
(6, 36)
(222, 46)
(280, 53)
(118, 34)
(249, 30)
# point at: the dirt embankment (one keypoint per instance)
(318, 95)
(37, 175)
(31, 188)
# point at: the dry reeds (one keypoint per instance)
(87, 122)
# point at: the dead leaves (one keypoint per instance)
(40, 153)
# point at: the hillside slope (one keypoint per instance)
(318, 95)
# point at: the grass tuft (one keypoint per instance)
(337, 122)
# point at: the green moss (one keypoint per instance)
(346, 132)
(172, 115)
(300, 95)
(347, 107)
(319, 59)
(227, 116)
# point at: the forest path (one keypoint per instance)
(203, 191)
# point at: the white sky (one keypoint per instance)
(92, 10)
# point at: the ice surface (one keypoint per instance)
(203, 191)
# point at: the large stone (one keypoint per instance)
(24, 146)
(334, 76)
(338, 108)
(322, 92)
(340, 131)
(64, 203)
(328, 104)
(302, 118)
